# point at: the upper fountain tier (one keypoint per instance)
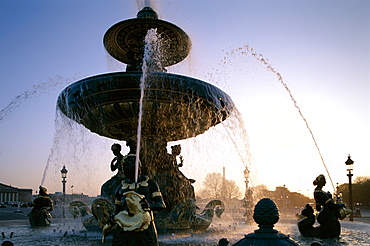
(125, 40)
(174, 107)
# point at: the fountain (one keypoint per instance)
(174, 108)
(352, 233)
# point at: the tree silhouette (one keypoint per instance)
(361, 191)
(216, 187)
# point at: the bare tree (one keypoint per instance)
(361, 191)
(216, 187)
(211, 186)
(231, 190)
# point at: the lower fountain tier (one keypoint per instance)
(175, 107)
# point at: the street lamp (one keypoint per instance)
(246, 176)
(64, 172)
(349, 164)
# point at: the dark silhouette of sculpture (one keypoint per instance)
(175, 107)
(117, 162)
(184, 218)
(305, 225)
(135, 204)
(266, 215)
(93, 219)
(329, 213)
(176, 151)
(223, 242)
(42, 206)
(108, 188)
(7, 243)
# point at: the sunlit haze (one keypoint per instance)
(321, 50)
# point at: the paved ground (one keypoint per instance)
(364, 219)
(14, 215)
(18, 216)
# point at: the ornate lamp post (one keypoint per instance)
(64, 172)
(349, 164)
(246, 176)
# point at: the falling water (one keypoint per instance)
(246, 49)
(83, 153)
(145, 3)
(265, 61)
(151, 60)
(36, 90)
(51, 85)
(241, 146)
(55, 148)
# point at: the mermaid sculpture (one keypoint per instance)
(329, 213)
(42, 205)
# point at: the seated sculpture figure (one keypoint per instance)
(134, 217)
(329, 213)
(108, 188)
(42, 205)
(305, 225)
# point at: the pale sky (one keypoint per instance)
(320, 48)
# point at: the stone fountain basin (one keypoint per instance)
(175, 107)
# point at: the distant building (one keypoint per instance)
(13, 194)
(58, 197)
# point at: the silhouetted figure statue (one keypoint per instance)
(42, 206)
(135, 203)
(131, 144)
(329, 213)
(108, 188)
(176, 151)
(117, 162)
(305, 225)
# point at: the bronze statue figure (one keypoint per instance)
(117, 161)
(329, 213)
(135, 203)
(108, 188)
(42, 206)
